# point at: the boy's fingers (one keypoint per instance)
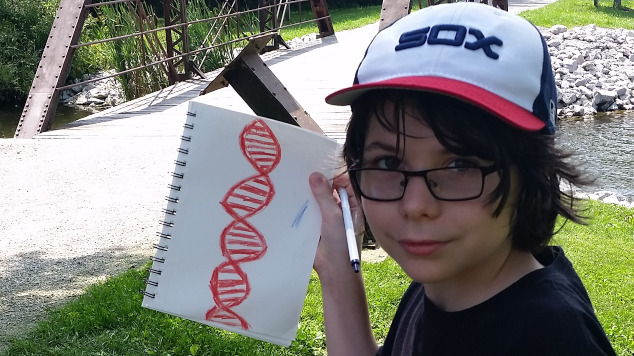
(323, 193)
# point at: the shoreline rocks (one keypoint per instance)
(606, 197)
(594, 69)
(95, 96)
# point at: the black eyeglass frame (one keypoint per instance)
(407, 174)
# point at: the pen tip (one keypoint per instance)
(355, 265)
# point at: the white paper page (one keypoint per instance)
(289, 224)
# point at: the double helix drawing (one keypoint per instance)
(241, 242)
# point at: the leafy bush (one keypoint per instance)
(24, 28)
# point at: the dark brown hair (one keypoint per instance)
(470, 131)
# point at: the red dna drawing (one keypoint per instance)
(241, 242)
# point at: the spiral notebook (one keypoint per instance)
(241, 226)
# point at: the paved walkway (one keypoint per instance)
(517, 6)
(83, 202)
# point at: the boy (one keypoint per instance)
(451, 155)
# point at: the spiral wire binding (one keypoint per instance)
(170, 199)
(159, 247)
(148, 294)
(170, 212)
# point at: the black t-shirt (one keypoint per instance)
(546, 312)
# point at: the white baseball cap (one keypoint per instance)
(479, 54)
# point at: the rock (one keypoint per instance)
(589, 110)
(570, 64)
(577, 110)
(585, 92)
(568, 98)
(98, 93)
(588, 65)
(81, 99)
(88, 87)
(554, 43)
(581, 82)
(604, 99)
(557, 29)
(65, 96)
(94, 101)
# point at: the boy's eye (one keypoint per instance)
(462, 163)
(387, 163)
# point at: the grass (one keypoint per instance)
(342, 19)
(602, 255)
(109, 320)
(573, 13)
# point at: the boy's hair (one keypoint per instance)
(469, 131)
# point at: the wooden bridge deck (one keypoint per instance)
(310, 72)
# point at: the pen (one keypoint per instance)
(347, 223)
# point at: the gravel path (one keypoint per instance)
(74, 212)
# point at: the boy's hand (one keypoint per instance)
(332, 254)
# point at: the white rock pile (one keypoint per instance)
(301, 40)
(95, 96)
(594, 68)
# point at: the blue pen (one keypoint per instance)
(347, 223)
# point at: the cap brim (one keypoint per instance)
(498, 106)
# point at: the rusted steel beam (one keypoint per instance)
(106, 3)
(39, 109)
(260, 88)
(502, 4)
(320, 11)
(175, 13)
(393, 10)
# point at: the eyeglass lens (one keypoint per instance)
(449, 183)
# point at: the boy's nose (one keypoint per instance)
(418, 202)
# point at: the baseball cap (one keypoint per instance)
(474, 52)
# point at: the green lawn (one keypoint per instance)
(109, 320)
(342, 19)
(573, 13)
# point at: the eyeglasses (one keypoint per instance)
(448, 183)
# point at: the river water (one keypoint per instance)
(605, 148)
(604, 145)
(9, 117)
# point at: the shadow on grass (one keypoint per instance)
(33, 283)
(624, 12)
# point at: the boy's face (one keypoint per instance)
(434, 241)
